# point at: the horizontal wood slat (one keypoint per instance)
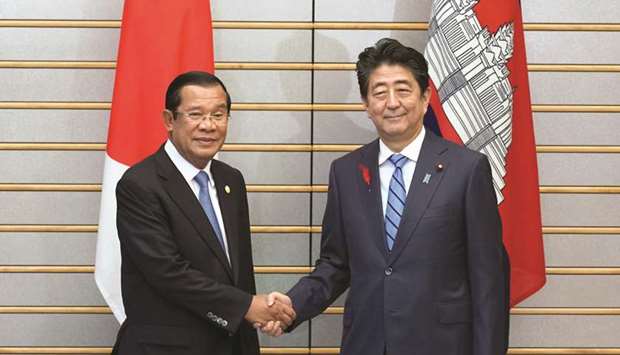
(64, 64)
(91, 228)
(303, 148)
(57, 105)
(84, 269)
(547, 189)
(309, 351)
(272, 25)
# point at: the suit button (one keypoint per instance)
(388, 271)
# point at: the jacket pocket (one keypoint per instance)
(451, 313)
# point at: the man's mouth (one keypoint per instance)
(393, 116)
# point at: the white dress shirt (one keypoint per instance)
(386, 168)
(189, 172)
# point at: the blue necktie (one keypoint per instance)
(396, 200)
(202, 178)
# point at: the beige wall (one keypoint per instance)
(591, 239)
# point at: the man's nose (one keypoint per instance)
(392, 100)
(207, 124)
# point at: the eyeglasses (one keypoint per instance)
(218, 117)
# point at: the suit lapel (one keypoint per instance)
(228, 203)
(371, 193)
(184, 197)
(426, 179)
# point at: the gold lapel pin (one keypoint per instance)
(227, 189)
(439, 167)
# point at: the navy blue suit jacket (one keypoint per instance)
(443, 288)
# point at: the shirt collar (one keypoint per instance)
(411, 151)
(186, 168)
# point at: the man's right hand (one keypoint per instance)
(263, 311)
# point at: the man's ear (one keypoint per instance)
(426, 98)
(168, 118)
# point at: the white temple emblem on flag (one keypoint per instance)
(468, 66)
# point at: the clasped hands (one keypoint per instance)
(271, 313)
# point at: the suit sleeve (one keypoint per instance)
(487, 263)
(147, 241)
(331, 276)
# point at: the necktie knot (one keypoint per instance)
(398, 160)
(202, 178)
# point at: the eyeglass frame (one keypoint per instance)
(209, 116)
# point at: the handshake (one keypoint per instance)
(271, 313)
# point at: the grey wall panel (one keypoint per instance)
(572, 47)
(268, 127)
(373, 10)
(279, 208)
(555, 128)
(62, 10)
(320, 166)
(347, 127)
(298, 338)
(54, 125)
(262, 45)
(319, 200)
(580, 209)
(582, 250)
(266, 283)
(574, 11)
(564, 331)
(51, 166)
(58, 329)
(338, 86)
(575, 88)
(47, 248)
(557, 210)
(57, 85)
(58, 43)
(270, 168)
(49, 207)
(577, 291)
(326, 331)
(267, 85)
(264, 10)
(345, 45)
(280, 249)
(578, 169)
(49, 290)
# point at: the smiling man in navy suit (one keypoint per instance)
(412, 227)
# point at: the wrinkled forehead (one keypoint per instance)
(198, 95)
(391, 74)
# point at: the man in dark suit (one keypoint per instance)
(187, 274)
(412, 227)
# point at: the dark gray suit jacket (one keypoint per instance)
(180, 294)
(443, 289)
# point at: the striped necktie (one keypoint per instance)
(396, 200)
(202, 178)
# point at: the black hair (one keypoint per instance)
(200, 78)
(390, 51)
